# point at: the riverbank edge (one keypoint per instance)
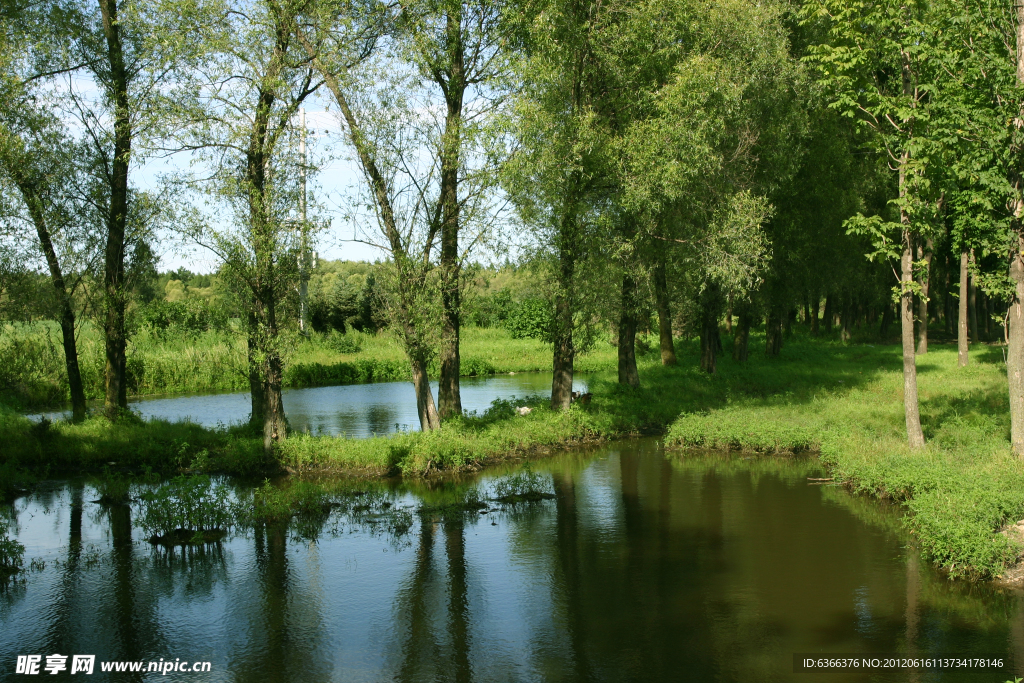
(967, 530)
(132, 446)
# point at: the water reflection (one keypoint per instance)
(641, 567)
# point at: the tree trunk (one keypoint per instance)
(728, 316)
(710, 337)
(962, 358)
(274, 426)
(116, 394)
(564, 348)
(773, 332)
(67, 311)
(947, 299)
(453, 84)
(668, 349)
(628, 374)
(828, 314)
(887, 317)
(1015, 350)
(924, 253)
(986, 312)
(1015, 315)
(815, 304)
(709, 340)
(741, 340)
(915, 436)
(425, 408)
(257, 390)
(845, 314)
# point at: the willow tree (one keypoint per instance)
(41, 164)
(704, 141)
(559, 170)
(257, 78)
(403, 159)
(875, 64)
(455, 46)
(40, 174)
(983, 55)
(137, 54)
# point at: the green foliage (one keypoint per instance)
(344, 343)
(187, 508)
(187, 316)
(114, 487)
(530, 319)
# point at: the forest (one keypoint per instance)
(738, 212)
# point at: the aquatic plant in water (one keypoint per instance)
(523, 486)
(12, 553)
(187, 509)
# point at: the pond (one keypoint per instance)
(641, 566)
(355, 410)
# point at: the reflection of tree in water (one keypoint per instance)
(432, 618)
(283, 627)
(380, 418)
(115, 617)
(194, 569)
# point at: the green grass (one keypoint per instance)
(32, 372)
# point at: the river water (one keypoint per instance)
(643, 566)
(354, 410)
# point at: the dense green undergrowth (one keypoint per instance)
(33, 374)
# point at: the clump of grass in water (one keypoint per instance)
(524, 486)
(186, 510)
(303, 504)
(306, 507)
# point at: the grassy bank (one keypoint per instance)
(842, 401)
(32, 371)
(959, 490)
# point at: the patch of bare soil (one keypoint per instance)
(1013, 575)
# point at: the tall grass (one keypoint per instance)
(33, 374)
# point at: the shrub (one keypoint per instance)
(523, 486)
(530, 319)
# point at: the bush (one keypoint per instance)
(12, 553)
(345, 343)
(530, 319)
(191, 315)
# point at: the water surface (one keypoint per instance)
(642, 567)
(355, 410)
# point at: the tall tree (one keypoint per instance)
(875, 63)
(456, 47)
(258, 78)
(137, 54)
(38, 160)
